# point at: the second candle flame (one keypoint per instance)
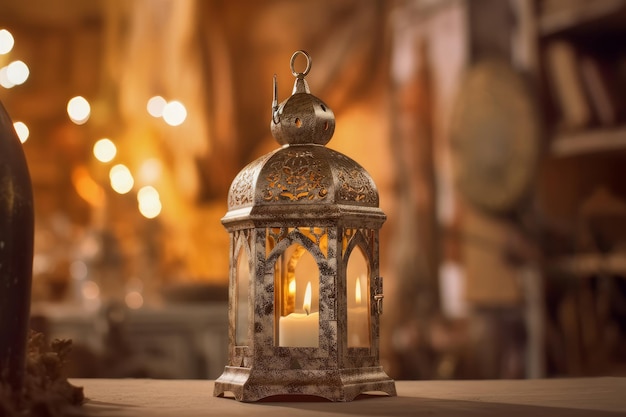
(307, 299)
(357, 291)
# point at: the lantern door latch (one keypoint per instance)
(378, 296)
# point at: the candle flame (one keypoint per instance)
(357, 291)
(307, 299)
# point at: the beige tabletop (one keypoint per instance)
(589, 397)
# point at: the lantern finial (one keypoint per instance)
(301, 119)
(292, 62)
(300, 85)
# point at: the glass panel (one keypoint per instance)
(297, 277)
(243, 289)
(358, 299)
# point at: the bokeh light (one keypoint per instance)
(156, 105)
(174, 113)
(149, 202)
(121, 179)
(104, 150)
(78, 270)
(17, 72)
(134, 300)
(6, 41)
(150, 171)
(22, 131)
(90, 290)
(78, 109)
(4, 78)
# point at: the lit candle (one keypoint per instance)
(300, 329)
(358, 323)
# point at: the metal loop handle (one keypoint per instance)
(308, 64)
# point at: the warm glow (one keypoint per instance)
(307, 299)
(22, 131)
(150, 171)
(90, 290)
(149, 202)
(147, 194)
(78, 270)
(6, 41)
(174, 113)
(134, 300)
(86, 187)
(357, 291)
(17, 72)
(4, 78)
(150, 211)
(121, 179)
(78, 109)
(292, 288)
(156, 105)
(104, 150)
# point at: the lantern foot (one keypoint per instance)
(249, 384)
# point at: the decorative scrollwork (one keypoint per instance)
(295, 176)
(355, 184)
(241, 192)
(306, 175)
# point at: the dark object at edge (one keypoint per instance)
(16, 253)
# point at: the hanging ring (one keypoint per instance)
(308, 64)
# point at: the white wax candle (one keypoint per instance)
(358, 327)
(358, 320)
(299, 330)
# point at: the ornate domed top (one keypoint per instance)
(303, 170)
(302, 118)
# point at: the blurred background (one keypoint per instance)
(495, 132)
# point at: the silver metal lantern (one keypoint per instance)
(305, 292)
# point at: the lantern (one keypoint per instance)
(305, 295)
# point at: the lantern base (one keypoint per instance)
(250, 384)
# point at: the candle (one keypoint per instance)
(358, 323)
(300, 329)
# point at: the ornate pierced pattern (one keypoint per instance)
(294, 176)
(241, 192)
(303, 174)
(355, 184)
(318, 235)
(349, 234)
(242, 240)
(277, 233)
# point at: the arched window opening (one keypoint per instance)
(297, 278)
(242, 323)
(358, 297)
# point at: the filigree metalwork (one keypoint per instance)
(294, 176)
(241, 192)
(355, 184)
(349, 234)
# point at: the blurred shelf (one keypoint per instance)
(171, 340)
(589, 141)
(592, 263)
(575, 16)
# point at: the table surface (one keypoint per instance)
(597, 397)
